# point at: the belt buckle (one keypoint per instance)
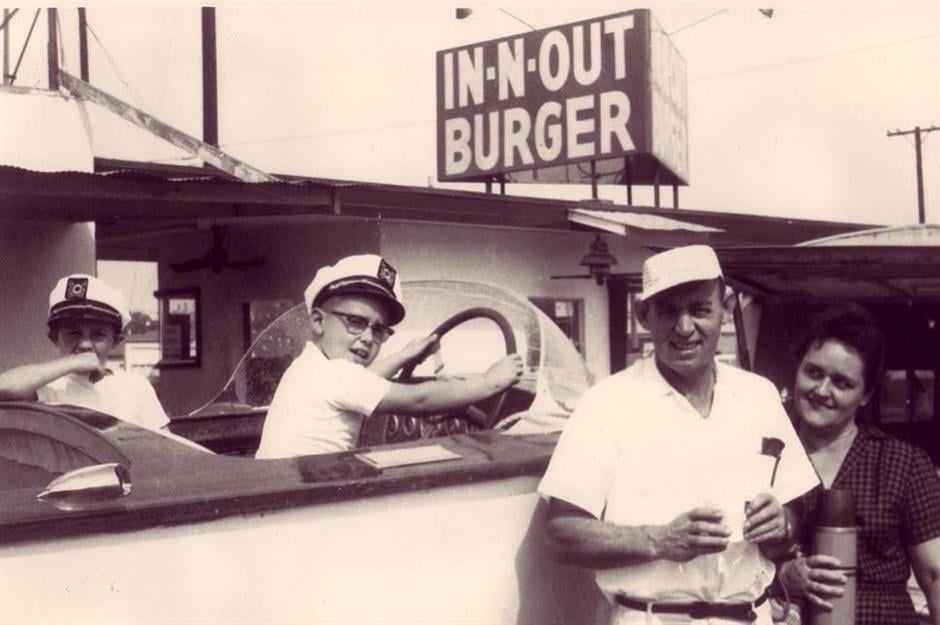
(698, 610)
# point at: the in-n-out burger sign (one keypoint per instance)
(580, 92)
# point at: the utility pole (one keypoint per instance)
(7, 16)
(83, 45)
(52, 49)
(210, 88)
(921, 210)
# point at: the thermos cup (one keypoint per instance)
(836, 535)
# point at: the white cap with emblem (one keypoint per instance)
(82, 295)
(364, 274)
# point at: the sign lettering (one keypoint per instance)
(568, 94)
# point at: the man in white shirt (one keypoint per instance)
(669, 477)
(326, 393)
(86, 319)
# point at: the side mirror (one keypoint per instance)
(88, 485)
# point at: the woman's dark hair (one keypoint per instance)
(854, 326)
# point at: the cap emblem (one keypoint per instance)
(76, 288)
(387, 274)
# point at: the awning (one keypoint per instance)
(621, 222)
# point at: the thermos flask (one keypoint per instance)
(836, 535)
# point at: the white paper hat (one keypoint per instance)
(678, 266)
(81, 295)
(367, 274)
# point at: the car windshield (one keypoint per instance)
(555, 373)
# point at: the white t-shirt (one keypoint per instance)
(635, 452)
(124, 395)
(319, 406)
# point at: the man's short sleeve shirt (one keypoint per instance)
(635, 452)
(319, 406)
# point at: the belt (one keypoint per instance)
(697, 609)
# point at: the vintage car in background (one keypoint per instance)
(433, 520)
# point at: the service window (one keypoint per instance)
(179, 328)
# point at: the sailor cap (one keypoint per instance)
(362, 274)
(82, 295)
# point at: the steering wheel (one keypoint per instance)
(392, 427)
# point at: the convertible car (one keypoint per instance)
(433, 519)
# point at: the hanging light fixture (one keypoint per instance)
(599, 260)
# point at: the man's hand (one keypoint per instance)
(691, 534)
(504, 372)
(766, 520)
(815, 578)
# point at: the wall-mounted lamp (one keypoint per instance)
(599, 260)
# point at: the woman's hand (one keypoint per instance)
(815, 578)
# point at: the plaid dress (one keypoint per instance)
(896, 492)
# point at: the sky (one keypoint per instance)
(788, 115)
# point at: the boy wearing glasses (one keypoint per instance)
(337, 381)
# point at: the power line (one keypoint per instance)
(425, 122)
(812, 59)
(699, 21)
(8, 18)
(748, 70)
(133, 92)
(329, 134)
(518, 19)
(29, 35)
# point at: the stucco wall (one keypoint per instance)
(521, 260)
(292, 253)
(33, 256)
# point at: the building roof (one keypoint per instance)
(872, 265)
(123, 194)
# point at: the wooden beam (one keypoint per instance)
(211, 155)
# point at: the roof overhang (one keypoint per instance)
(124, 195)
(624, 222)
(861, 272)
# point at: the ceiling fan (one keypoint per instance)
(216, 258)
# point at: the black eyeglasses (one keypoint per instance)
(356, 325)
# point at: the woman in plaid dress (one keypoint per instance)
(895, 486)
